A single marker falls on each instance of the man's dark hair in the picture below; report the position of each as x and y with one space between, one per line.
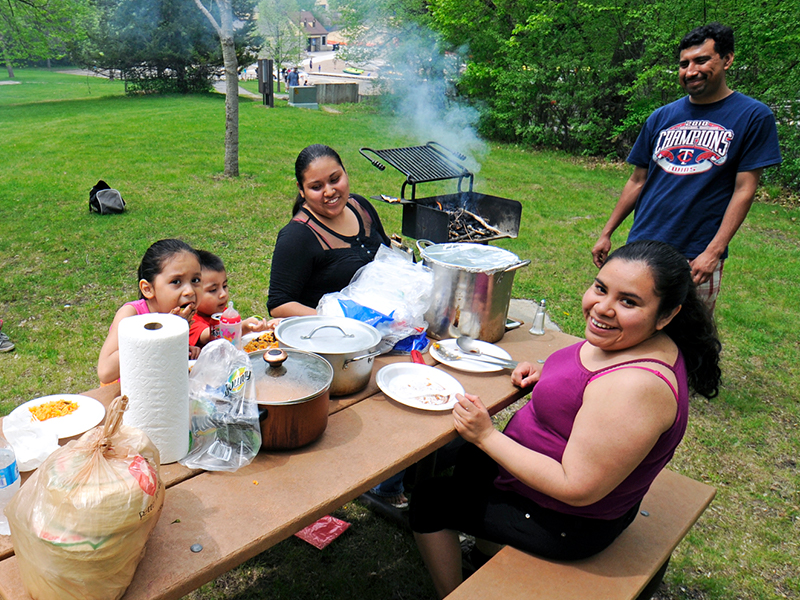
721 34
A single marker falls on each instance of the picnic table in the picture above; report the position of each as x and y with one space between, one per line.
235 516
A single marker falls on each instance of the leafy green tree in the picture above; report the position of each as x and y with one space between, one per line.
584 75
39 29
162 46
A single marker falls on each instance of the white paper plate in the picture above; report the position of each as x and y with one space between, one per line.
90 412
419 386
468 364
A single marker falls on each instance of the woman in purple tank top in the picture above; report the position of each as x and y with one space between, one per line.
567 475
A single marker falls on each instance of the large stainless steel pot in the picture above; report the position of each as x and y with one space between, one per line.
293 394
472 289
347 344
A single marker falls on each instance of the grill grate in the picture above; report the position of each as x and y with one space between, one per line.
421 164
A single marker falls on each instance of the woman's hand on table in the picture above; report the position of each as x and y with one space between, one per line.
525 375
472 420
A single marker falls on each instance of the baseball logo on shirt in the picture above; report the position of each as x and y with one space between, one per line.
692 147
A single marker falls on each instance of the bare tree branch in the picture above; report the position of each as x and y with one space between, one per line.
209 16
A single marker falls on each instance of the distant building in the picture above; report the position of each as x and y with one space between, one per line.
315 32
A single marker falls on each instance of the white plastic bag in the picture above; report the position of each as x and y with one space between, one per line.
391 293
31 440
226 434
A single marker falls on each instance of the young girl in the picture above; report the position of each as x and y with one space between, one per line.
169 282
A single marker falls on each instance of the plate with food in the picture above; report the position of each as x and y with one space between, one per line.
259 340
445 350
66 414
419 386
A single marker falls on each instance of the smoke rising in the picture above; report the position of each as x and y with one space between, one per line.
422 80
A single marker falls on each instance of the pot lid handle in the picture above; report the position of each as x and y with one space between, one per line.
423 244
275 357
309 335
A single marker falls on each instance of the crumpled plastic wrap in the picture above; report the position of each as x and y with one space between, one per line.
391 293
32 442
79 525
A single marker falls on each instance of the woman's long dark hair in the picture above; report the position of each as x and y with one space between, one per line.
156 255
692 329
307 156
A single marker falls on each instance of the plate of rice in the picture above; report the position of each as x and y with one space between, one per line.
66 414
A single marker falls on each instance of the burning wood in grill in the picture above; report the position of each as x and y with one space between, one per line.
466 225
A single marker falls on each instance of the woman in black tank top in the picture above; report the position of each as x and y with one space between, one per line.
332 234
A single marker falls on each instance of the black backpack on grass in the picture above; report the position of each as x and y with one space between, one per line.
105 200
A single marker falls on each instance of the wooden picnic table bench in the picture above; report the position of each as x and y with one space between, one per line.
235 516
632 567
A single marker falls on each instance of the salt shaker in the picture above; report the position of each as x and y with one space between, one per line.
538 320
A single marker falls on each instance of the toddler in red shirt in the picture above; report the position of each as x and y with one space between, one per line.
213 298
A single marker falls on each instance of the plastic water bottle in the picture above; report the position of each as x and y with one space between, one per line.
538 320
9 481
230 325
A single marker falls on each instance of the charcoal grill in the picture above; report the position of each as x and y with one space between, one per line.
465 216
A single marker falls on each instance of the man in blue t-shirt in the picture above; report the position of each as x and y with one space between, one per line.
697 163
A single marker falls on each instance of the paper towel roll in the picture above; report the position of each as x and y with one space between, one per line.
154 374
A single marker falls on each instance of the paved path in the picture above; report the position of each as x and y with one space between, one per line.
326 67
219 86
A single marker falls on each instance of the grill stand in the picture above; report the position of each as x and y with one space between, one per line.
465 216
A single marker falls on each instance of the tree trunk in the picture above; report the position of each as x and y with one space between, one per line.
231 107
224 30
231 89
6 59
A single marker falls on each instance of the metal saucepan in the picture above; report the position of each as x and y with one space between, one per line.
472 289
350 346
293 394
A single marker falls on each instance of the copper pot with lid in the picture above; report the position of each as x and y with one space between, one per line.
292 391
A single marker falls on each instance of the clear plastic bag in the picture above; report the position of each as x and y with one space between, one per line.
80 523
226 433
391 293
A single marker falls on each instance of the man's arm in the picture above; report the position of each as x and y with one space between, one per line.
744 191
625 205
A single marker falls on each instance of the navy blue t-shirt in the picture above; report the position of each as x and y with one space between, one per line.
693 153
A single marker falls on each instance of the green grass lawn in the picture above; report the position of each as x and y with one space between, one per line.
64 272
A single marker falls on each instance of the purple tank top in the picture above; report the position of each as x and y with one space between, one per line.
544 424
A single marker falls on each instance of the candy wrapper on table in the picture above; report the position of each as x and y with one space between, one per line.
392 294
79 525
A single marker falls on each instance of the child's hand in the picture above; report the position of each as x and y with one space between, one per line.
273 323
254 324
187 312
194 352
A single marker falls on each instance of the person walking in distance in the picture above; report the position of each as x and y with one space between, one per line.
697 163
